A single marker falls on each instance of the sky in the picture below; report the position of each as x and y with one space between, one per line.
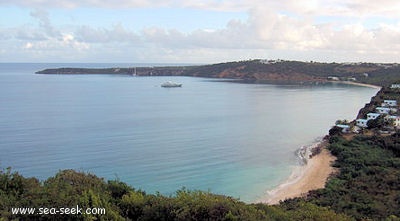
199 31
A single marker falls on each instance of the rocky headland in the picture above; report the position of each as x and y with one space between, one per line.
262 71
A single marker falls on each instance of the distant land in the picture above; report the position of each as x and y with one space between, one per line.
262 71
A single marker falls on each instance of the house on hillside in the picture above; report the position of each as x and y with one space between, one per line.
396 122
332 78
383 110
345 128
394 119
395 86
389 103
362 123
372 116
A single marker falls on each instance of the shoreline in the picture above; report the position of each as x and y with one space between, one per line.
311 175
358 84
304 178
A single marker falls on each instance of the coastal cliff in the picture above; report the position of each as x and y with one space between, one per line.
262 71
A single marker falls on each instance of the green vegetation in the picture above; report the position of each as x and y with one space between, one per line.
377 123
368 185
69 188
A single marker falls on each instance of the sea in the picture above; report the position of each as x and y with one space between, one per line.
212 135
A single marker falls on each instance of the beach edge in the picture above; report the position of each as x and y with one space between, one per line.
310 176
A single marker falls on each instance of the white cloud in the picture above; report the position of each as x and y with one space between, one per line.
117 33
28 33
28 45
123 4
307 29
385 8
43 17
68 40
355 8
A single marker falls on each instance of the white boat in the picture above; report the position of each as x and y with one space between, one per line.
171 84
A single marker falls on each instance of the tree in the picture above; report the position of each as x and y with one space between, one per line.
376 123
341 122
335 130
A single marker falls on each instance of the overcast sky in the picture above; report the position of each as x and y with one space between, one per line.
199 31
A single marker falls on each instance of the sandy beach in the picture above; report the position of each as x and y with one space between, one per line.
311 176
359 84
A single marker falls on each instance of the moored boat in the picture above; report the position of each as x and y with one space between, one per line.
171 84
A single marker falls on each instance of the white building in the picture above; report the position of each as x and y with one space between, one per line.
389 103
333 78
395 86
345 128
372 116
396 120
383 110
362 122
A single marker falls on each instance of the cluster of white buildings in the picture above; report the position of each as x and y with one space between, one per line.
266 61
388 109
394 86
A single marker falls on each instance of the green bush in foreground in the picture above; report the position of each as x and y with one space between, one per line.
69 188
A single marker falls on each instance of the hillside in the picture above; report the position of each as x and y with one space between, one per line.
262 71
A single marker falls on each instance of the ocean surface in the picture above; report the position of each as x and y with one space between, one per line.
227 138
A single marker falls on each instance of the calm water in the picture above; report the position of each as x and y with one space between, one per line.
229 138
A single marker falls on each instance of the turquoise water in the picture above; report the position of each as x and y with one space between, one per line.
229 138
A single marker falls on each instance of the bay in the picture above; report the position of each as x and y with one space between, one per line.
228 138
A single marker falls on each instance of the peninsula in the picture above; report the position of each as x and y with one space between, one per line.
262 71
